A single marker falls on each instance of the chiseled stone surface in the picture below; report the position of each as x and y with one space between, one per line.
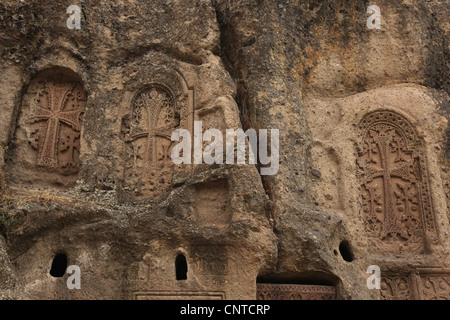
85 124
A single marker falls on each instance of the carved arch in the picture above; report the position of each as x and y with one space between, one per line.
162 105
47 141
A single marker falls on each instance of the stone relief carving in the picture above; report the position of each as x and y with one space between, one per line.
425 284
179 295
153 278
434 285
159 108
149 145
396 202
396 288
294 292
151 268
153 273
212 260
56 124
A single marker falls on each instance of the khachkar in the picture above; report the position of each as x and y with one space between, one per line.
164 105
396 201
56 124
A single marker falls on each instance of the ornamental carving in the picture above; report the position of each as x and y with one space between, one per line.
213 260
149 141
294 292
396 287
56 124
422 284
434 285
396 202
157 110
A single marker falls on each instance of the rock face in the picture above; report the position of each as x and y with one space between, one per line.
87 178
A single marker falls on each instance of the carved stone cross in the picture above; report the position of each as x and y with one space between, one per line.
392 223
158 108
153 120
396 202
163 132
52 111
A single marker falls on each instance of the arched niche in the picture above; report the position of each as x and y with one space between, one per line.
46 146
159 106
396 201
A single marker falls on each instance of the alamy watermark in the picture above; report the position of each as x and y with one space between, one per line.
74 280
213 153
74 21
374 21
374 280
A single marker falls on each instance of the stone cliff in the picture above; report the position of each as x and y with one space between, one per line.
86 120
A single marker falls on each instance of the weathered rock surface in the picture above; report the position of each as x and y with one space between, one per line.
92 180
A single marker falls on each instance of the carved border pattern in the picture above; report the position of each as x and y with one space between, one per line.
396 287
424 284
179 295
294 292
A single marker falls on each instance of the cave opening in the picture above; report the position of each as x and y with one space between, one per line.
59 265
181 267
